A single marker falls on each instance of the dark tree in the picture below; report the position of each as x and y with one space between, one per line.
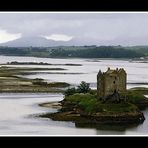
83 87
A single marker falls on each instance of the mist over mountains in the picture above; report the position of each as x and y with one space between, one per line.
75 29
36 41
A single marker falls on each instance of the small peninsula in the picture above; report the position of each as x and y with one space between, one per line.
11 80
39 63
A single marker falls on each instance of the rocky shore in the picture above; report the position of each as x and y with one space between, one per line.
78 116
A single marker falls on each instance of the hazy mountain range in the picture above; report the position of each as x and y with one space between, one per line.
42 42
32 41
78 29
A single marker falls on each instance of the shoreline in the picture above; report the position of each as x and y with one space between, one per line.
11 82
53 104
78 118
21 91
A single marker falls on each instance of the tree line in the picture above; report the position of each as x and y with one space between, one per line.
78 51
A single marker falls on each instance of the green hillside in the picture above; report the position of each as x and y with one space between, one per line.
77 51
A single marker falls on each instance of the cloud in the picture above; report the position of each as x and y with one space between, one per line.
86 28
5 36
58 37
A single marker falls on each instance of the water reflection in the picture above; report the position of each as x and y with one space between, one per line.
107 127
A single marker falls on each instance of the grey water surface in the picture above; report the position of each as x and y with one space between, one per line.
18 110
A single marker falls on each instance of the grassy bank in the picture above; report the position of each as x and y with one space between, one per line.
89 104
11 82
139 90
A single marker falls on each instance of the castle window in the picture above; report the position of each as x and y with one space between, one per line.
114 82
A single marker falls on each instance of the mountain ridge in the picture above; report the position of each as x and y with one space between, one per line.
36 42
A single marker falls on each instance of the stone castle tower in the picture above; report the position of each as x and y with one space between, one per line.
111 82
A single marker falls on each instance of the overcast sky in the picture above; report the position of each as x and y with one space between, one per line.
82 28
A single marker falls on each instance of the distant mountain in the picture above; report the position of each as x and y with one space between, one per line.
42 42
37 42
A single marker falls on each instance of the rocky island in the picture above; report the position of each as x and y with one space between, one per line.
114 104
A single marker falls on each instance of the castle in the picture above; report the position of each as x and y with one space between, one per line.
111 83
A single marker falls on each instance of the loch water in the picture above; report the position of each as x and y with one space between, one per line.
18 111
